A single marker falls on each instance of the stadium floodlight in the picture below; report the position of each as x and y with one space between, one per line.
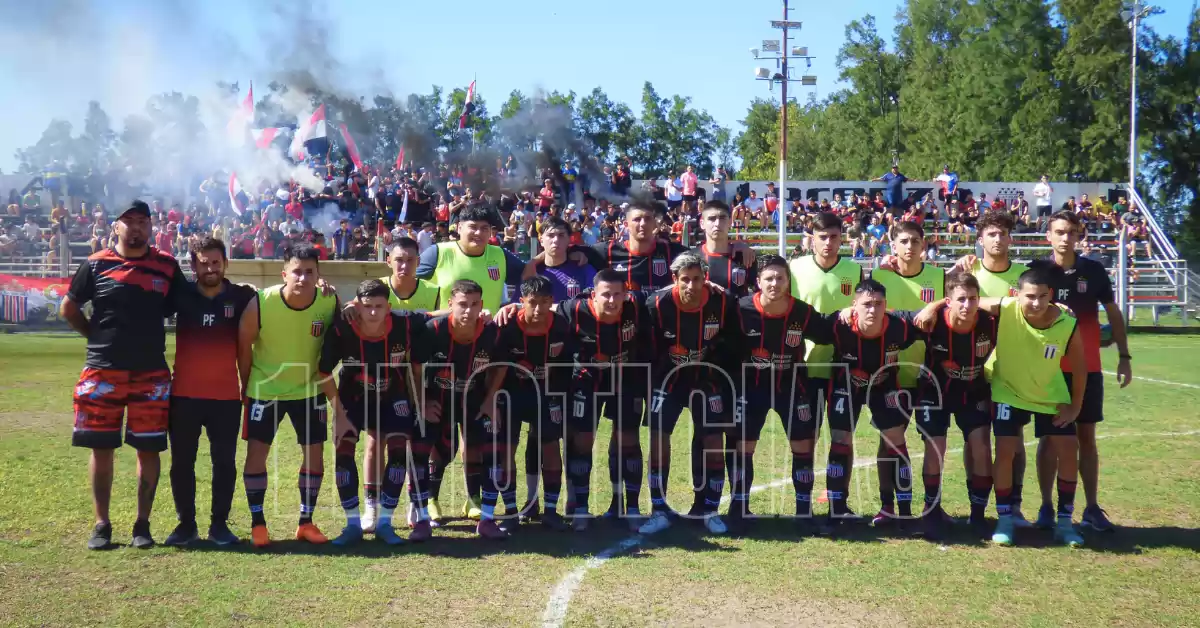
771 45
762 73
754 52
800 51
808 80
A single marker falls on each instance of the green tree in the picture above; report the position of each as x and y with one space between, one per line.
609 127
55 144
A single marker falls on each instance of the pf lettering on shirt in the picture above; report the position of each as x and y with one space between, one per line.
206 343
1083 288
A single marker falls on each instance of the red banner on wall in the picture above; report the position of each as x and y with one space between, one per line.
32 301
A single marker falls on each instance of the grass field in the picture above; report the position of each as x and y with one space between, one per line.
1148 573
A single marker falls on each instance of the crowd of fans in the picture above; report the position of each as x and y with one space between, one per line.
358 211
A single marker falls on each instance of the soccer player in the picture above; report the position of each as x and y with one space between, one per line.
419 296
131 287
687 320
461 348
958 345
1083 286
535 339
1028 385
611 334
826 281
279 345
910 287
567 278
205 391
773 326
378 352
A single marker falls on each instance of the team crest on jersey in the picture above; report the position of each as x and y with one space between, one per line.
494 273
628 331
480 362
892 356
927 295
738 276
659 266
555 349
793 338
1051 352
572 289
715 404
159 285
803 413
317 328
711 327
398 353
1081 285
982 347
1012 291
228 310
556 414
400 408
846 287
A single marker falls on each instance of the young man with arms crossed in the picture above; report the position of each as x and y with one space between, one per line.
826 281
688 320
381 354
911 286
206 394
279 346
131 287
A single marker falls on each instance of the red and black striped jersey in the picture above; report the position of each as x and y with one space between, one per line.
533 350
598 344
459 366
129 297
206 342
685 336
956 360
772 346
374 365
729 271
643 273
873 362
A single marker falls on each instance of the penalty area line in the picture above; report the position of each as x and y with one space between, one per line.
1157 381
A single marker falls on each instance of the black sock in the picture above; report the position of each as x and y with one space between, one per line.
1016 495
979 487
474 475
634 471
310 488
490 483
837 477
579 471
699 490
736 465
393 478
437 469
933 490
658 489
714 484
256 494
508 488
614 470
418 481
802 482
533 462
1066 498
1003 502
886 464
551 489
902 481
345 476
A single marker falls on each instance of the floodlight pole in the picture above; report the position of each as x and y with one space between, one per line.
1137 11
783 137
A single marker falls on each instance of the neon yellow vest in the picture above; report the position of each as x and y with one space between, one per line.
288 346
998 285
487 270
827 291
423 300
912 293
1026 367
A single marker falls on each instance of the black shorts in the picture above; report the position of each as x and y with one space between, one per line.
220 418
935 422
544 413
888 410
794 409
1093 398
673 204
689 198
711 409
1044 211
309 418
1008 421
588 402
385 417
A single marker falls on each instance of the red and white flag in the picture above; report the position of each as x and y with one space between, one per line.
400 158
264 137
351 147
237 196
468 107
241 119
313 128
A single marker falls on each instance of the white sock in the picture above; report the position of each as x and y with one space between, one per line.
531 486
385 517
352 518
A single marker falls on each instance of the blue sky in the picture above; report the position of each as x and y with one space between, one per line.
122 51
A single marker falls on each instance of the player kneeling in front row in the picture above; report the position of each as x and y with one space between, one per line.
1028 385
374 393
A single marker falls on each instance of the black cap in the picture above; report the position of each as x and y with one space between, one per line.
138 206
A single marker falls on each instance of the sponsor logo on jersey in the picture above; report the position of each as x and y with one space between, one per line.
1081 285
621 268
1051 352
659 266
400 408
572 289
444 380
631 285
753 332
738 276
318 327
494 273
628 331
715 404
555 349
927 295
846 287
668 334
793 338
982 347
228 310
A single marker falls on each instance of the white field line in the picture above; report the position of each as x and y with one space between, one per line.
1158 381
560 597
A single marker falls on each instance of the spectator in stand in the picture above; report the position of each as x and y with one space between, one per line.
754 207
894 186
621 181
545 196
1135 232
878 237
1043 196
770 204
674 190
14 210
983 204
1070 205
342 238
690 182
718 184
949 183
31 203
8 243
1120 207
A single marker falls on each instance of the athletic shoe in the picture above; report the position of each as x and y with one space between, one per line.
696 512
101 537
311 533
422 531
471 510
634 519
580 521
933 527
141 535
1096 519
1004 532
554 521
657 522
615 509
351 535
805 526
1064 532
368 517
885 517
1046 518
386 533
980 528
259 536
220 534
183 534
435 513
1019 520
531 511
509 524
849 518
715 525
488 529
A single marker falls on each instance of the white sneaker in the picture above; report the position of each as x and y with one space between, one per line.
715 525
1019 520
368 518
655 524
